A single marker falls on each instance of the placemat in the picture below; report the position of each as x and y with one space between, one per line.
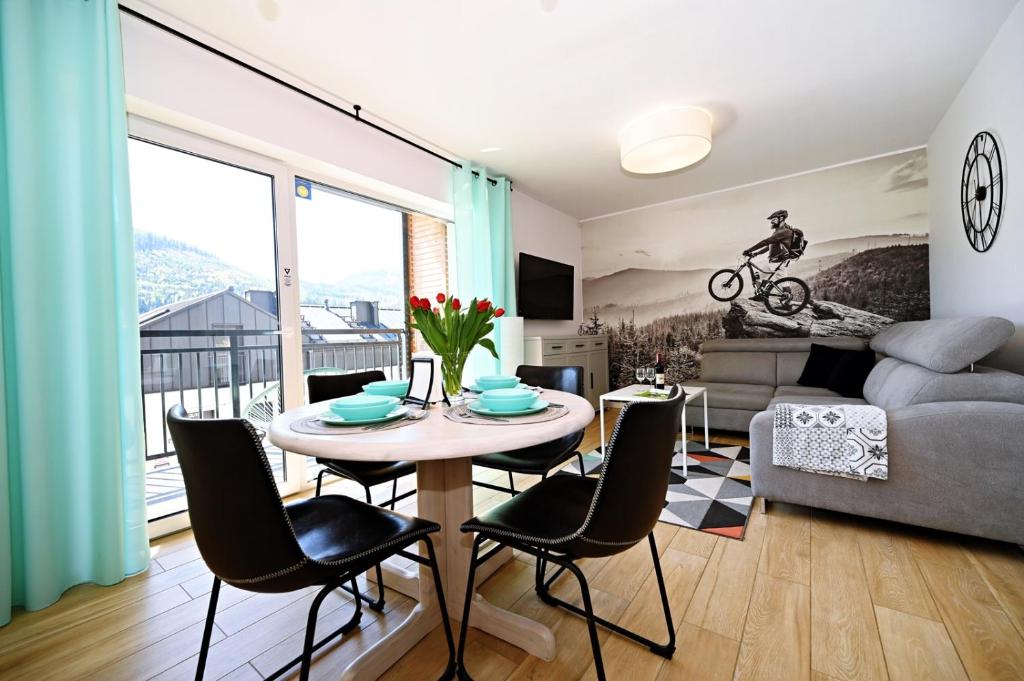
313 426
460 414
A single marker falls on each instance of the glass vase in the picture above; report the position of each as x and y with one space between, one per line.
452 366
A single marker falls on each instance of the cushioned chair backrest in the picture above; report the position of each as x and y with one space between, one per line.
634 480
566 379
333 386
239 522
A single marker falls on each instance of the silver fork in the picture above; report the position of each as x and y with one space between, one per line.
463 412
411 416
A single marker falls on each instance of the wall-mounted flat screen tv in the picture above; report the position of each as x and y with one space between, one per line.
545 288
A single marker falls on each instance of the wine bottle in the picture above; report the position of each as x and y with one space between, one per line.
659 372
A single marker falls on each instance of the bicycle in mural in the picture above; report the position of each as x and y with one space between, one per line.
784 296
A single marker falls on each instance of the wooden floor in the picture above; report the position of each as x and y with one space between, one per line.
807 595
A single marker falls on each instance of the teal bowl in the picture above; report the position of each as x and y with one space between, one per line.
507 399
496 382
396 388
364 406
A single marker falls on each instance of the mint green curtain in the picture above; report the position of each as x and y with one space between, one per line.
483 250
72 498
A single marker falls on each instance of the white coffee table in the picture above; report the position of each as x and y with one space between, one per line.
629 394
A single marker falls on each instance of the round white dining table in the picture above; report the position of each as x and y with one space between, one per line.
443 451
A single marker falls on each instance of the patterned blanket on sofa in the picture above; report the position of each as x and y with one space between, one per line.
848 441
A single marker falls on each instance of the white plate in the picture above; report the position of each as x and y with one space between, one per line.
335 420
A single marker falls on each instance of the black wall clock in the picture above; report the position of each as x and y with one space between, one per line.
981 191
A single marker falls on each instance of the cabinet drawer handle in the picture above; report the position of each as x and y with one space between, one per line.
556 347
581 345
591 380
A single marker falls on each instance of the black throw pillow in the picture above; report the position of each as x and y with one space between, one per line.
851 371
820 364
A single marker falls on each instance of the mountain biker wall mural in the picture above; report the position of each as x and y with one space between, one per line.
839 251
784 296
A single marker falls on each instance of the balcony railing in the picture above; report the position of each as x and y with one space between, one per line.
217 373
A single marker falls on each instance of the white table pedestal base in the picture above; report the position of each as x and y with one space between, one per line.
444 494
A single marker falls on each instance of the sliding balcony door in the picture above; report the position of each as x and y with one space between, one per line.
352 285
209 303
252 277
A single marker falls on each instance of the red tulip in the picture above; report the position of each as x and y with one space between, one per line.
482 306
440 298
500 311
414 302
456 305
424 304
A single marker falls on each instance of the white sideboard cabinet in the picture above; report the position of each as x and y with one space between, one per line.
589 352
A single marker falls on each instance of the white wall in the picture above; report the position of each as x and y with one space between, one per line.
963 281
179 84
539 229
165 71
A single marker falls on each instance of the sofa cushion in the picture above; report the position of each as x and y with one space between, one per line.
894 383
747 396
738 367
789 366
944 345
803 391
780 345
814 399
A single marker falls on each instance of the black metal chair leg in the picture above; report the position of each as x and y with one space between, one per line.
449 671
204 648
319 480
460 657
394 492
307 647
588 608
540 572
348 627
663 650
376 605
511 485
583 469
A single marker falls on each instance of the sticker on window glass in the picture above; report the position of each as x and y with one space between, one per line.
303 188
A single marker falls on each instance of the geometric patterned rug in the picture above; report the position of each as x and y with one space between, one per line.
715 498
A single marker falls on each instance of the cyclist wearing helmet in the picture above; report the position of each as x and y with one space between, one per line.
780 244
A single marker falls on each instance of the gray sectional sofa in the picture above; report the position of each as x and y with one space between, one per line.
744 375
956 430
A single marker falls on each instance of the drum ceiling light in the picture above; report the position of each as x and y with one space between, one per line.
665 140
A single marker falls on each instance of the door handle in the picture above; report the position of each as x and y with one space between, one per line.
591 380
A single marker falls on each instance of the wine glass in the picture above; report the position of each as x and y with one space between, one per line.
649 372
640 373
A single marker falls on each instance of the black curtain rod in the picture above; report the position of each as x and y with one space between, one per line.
294 88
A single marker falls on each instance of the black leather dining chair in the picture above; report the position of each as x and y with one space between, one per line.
367 473
250 540
539 459
567 517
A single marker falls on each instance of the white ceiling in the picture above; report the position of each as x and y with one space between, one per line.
792 84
